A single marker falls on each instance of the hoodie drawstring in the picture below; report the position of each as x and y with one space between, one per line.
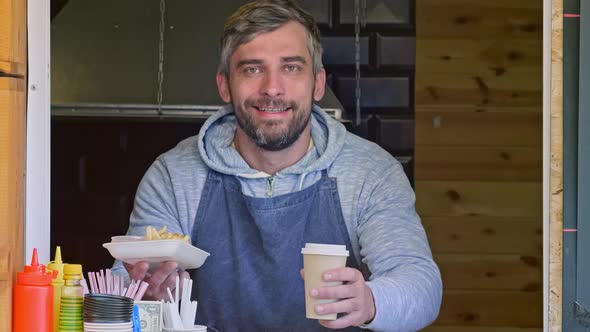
301 178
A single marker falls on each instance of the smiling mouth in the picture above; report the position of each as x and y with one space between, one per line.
272 110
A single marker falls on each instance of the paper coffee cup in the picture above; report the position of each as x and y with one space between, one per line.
317 259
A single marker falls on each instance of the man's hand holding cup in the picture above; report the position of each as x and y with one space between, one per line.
356 299
332 288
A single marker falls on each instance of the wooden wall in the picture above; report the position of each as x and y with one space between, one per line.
478 159
12 148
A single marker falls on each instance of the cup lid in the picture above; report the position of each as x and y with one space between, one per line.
324 249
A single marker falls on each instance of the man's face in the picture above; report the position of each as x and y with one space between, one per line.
272 86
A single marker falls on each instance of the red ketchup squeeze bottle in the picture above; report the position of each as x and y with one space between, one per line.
32 306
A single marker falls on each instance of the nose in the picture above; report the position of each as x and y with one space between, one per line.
272 85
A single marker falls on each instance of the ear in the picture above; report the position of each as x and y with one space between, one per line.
320 85
223 87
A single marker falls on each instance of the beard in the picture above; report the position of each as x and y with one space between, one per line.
273 135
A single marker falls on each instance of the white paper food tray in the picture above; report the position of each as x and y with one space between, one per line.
158 251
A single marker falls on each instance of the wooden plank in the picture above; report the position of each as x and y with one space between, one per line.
479 19
13 69
478 163
499 58
493 199
478 129
527 4
451 89
451 96
5 29
12 158
484 235
13 36
492 308
491 272
477 109
456 328
484 81
5 307
4 265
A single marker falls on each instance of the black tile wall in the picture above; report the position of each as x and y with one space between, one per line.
365 129
393 133
393 50
396 135
387 92
320 9
387 59
337 50
378 12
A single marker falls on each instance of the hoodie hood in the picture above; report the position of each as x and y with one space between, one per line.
217 134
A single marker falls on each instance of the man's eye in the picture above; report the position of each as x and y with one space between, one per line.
291 68
252 70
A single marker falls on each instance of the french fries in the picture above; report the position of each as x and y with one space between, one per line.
151 233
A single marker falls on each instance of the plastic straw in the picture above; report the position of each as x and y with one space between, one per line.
115 286
170 294
96 283
131 288
176 299
128 289
101 288
141 292
92 288
184 305
135 289
193 313
103 284
121 286
108 281
84 285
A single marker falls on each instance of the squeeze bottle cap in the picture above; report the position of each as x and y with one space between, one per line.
57 265
71 270
34 274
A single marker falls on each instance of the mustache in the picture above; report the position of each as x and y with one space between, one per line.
270 103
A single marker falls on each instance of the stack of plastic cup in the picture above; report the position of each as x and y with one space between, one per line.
107 312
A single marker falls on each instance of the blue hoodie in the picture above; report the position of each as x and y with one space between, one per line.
376 197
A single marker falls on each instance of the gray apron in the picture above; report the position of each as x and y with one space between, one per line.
251 281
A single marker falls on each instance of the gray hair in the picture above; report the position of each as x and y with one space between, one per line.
266 16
